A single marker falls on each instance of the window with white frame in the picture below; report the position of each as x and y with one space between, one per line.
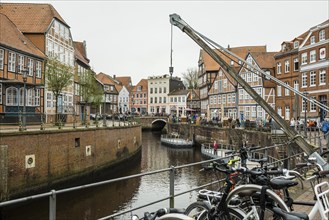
233 98
224 99
255 77
296 85
312 104
228 98
49 98
259 112
225 83
247 112
322 53
11 96
241 95
286 66
322 77
296 64
249 77
287 112
280 111
216 85
38 69
253 111
296 44
304 80
21 95
20 66
0 93
279 68
286 91
312 56
2 54
322 35
304 58
219 99
312 40
312 78
279 90
11 62
30 66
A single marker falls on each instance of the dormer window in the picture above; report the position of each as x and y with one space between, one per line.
139 88
296 44
312 40
283 47
106 87
322 35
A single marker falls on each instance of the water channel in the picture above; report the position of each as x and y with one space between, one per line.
105 200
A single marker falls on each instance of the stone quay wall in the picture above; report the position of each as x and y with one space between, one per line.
227 136
35 159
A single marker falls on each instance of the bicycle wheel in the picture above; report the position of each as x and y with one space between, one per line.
249 191
195 209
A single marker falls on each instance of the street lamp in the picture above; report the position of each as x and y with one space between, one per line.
24 101
305 109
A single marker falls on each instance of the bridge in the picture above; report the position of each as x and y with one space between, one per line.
156 123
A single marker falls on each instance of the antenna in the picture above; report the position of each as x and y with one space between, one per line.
171 68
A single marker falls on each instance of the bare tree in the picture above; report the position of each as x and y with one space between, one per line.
190 78
58 76
90 91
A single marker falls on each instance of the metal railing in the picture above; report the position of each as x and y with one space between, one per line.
171 197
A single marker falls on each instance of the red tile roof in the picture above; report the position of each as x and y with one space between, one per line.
211 65
80 52
11 37
31 17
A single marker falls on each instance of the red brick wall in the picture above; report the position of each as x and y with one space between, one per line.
57 158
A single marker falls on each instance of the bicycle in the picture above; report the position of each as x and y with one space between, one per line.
164 214
321 206
215 206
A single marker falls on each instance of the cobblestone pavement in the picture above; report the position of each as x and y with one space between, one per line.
305 195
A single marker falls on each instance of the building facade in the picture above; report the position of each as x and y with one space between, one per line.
158 89
21 76
314 69
139 97
53 37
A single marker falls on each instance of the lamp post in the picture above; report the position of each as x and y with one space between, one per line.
305 110
24 100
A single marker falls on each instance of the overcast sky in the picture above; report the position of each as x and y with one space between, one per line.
132 38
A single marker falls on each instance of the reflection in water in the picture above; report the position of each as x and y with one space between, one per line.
105 200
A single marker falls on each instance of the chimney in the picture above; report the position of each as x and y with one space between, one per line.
113 76
228 46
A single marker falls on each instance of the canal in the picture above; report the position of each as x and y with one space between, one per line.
105 200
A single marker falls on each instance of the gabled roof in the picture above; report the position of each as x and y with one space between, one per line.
80 52
143 83
179 92
265 60
125 80
105 79
31 17
11 37
211 65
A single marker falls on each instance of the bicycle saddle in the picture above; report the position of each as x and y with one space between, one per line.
290 215
278 183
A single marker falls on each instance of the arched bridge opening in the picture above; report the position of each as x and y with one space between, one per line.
158 124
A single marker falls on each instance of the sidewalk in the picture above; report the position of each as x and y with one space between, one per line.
306 195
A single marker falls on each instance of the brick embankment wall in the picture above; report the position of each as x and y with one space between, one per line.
36 159
227 136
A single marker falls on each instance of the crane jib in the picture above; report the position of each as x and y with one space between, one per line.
291 133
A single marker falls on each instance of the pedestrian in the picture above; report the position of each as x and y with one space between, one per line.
292 123
215 146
